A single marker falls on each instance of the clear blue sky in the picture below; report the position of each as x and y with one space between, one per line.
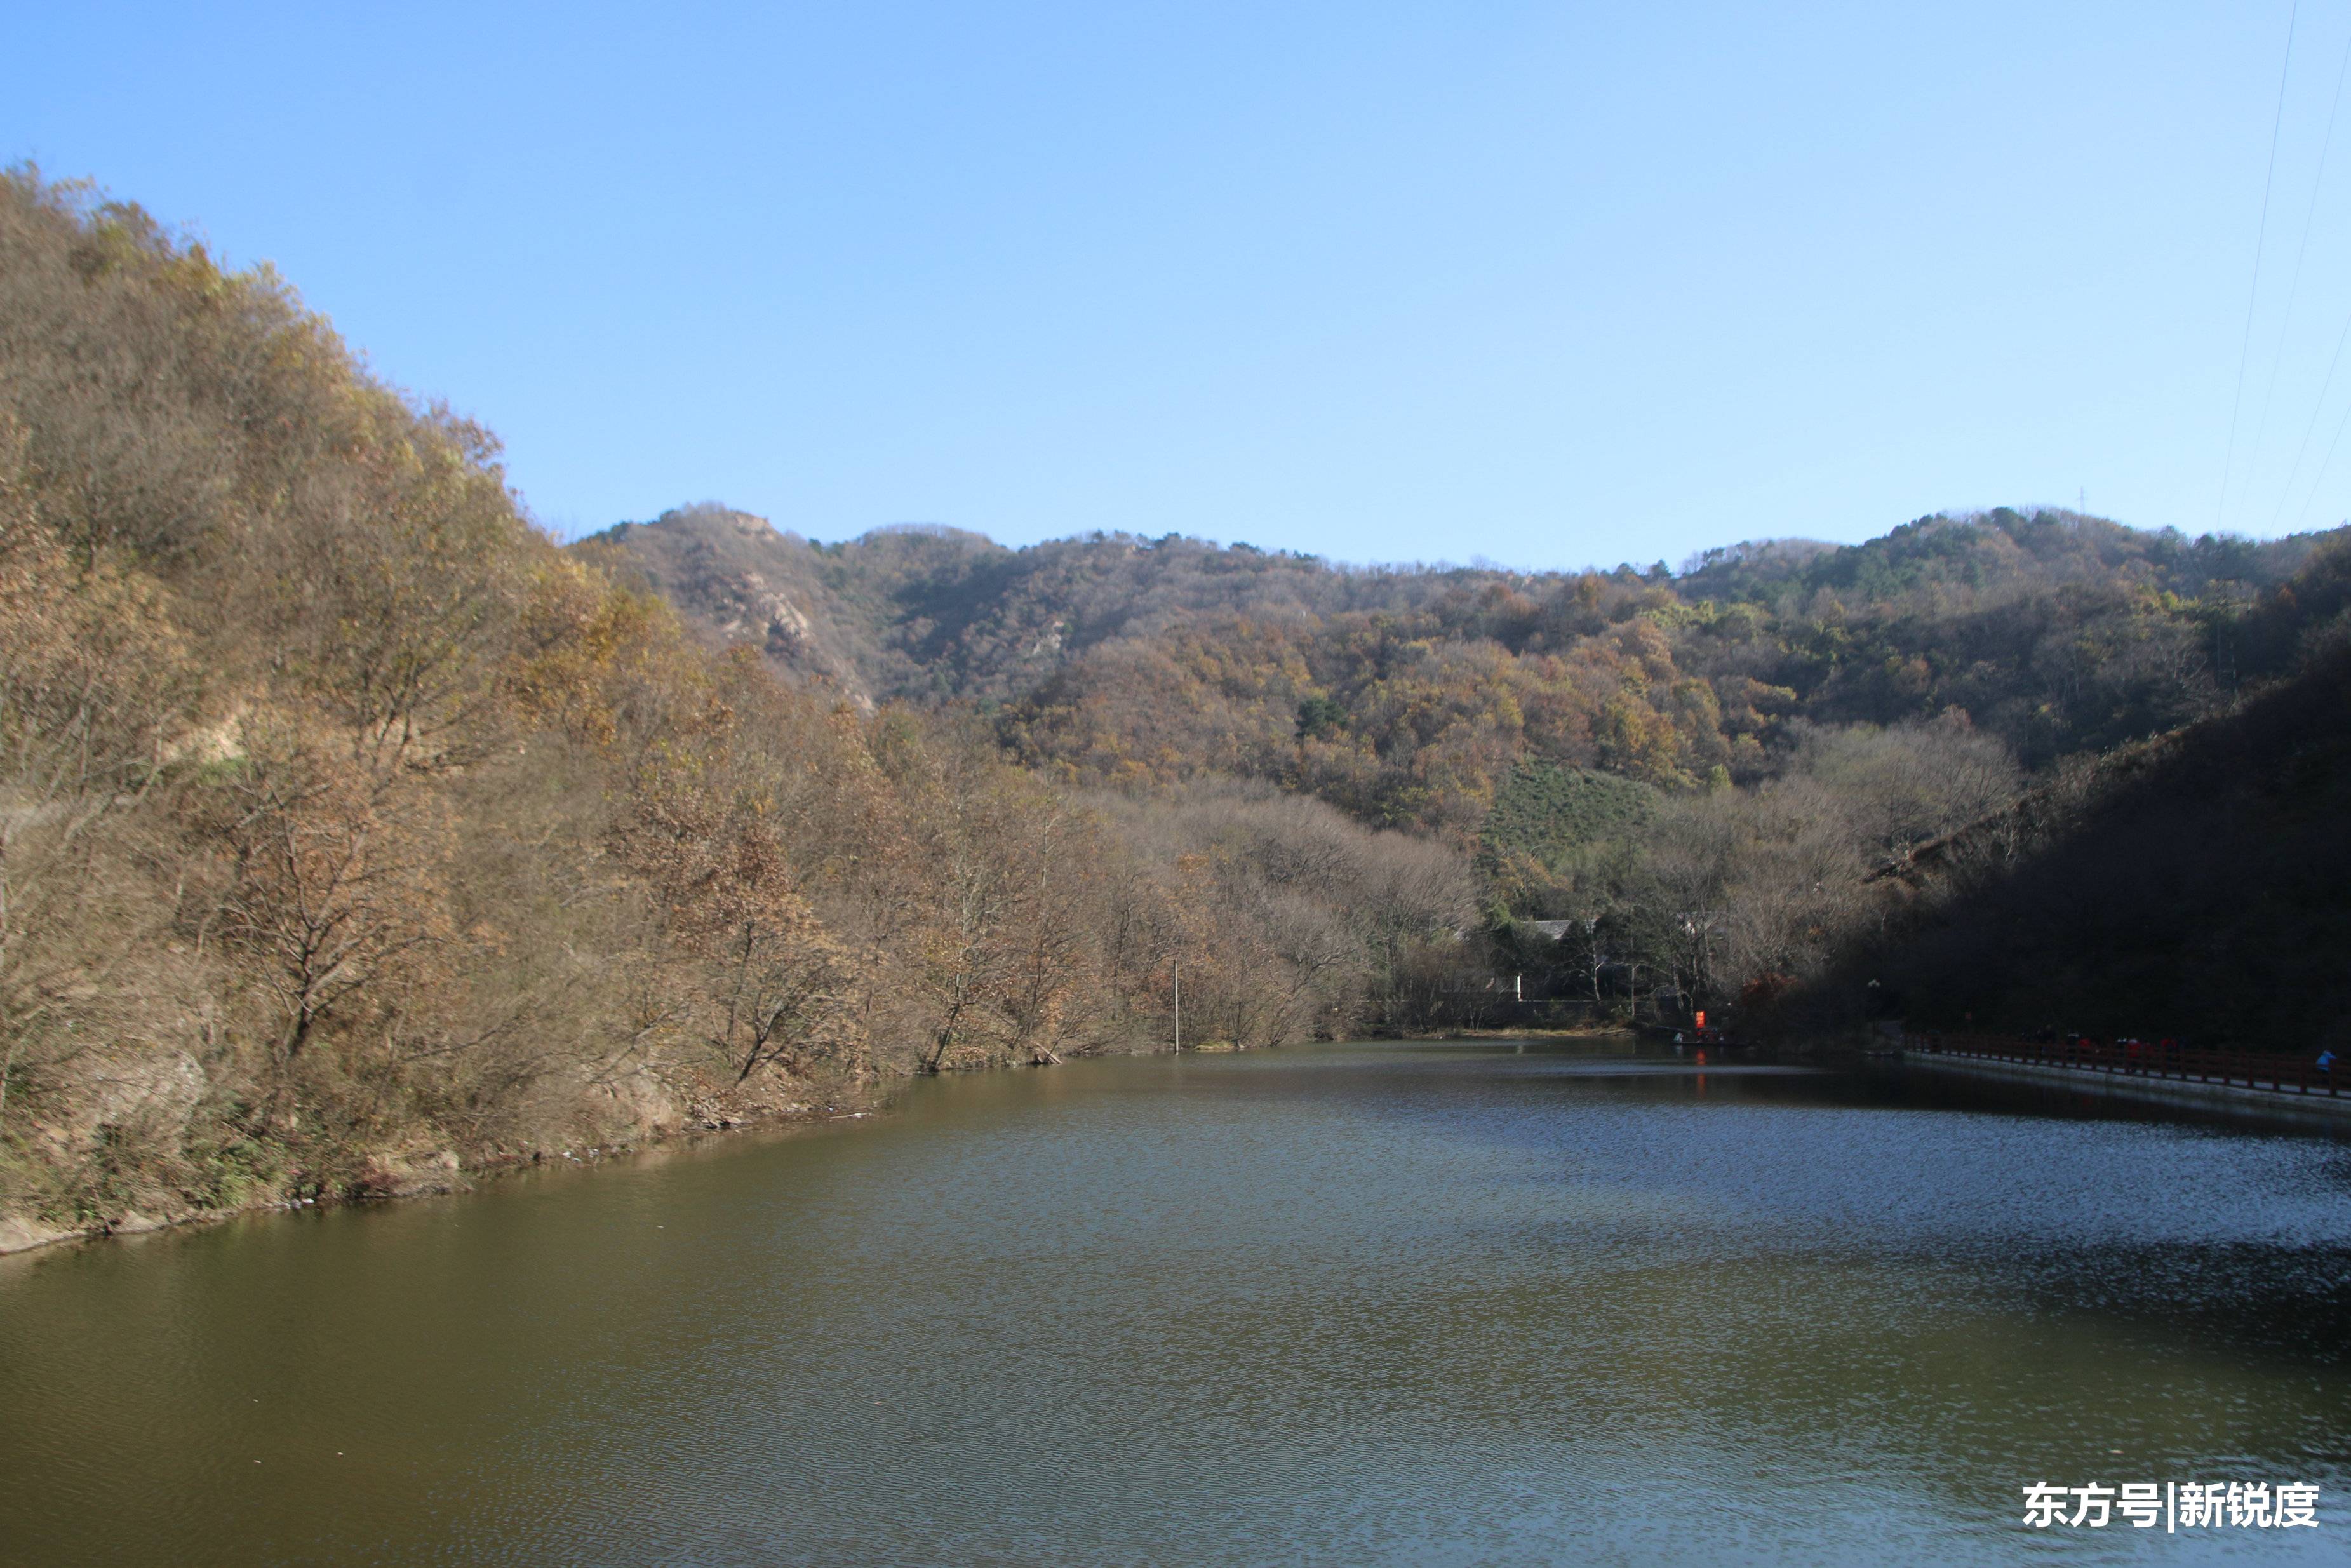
1548 284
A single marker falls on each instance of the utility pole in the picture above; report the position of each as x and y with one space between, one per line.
1179 1006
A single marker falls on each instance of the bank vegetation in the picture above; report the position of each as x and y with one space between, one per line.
353 832
349 829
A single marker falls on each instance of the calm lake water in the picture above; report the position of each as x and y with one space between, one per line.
1458 1304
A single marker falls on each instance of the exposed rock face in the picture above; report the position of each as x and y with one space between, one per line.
411 1175
920 612
121 1088
738 580
634 1106
18 1233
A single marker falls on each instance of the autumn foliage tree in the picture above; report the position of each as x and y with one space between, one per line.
345 821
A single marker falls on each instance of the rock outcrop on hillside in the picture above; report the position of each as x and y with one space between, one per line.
738 580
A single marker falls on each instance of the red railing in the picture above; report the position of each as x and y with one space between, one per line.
2283 1074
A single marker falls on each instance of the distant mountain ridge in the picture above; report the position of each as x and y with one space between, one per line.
1409 695
924 613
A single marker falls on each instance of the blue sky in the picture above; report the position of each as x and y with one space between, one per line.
1545 284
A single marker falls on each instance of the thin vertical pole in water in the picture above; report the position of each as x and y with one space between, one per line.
1178 1046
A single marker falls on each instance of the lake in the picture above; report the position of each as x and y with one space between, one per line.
1465 1303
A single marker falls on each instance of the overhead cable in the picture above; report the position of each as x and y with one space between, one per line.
2320 477
2293 290
2261 240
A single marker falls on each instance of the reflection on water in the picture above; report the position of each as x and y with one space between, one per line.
1459 1303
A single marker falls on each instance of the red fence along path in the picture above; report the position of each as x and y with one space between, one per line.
2284 1074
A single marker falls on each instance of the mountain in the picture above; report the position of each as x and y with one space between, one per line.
1409 696
739 580
2027 767
929 614
2197 886
352 836
2195 883
351 832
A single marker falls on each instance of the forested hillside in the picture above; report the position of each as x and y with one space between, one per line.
351 832
2188 883
1703 772
1408 697
2196 885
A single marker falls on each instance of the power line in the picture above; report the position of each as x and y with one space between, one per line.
2320 477
2317 408
2293 288
2261 240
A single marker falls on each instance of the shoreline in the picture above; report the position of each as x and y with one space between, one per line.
19 1235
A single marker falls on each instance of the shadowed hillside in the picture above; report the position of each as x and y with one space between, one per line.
2196 886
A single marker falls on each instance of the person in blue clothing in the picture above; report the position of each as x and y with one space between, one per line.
2326 1063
